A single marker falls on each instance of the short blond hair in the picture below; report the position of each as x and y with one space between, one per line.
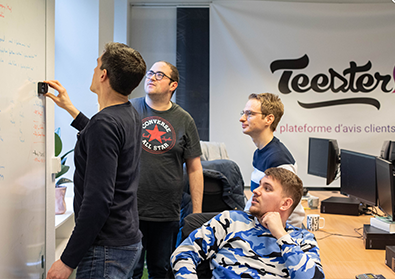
270 104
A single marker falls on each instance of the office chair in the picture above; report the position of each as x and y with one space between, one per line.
223 189
212 195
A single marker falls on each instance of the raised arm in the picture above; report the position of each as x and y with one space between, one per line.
301 256
62 99
299 250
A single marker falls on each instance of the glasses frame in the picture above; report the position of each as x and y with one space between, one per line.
160 77
249 113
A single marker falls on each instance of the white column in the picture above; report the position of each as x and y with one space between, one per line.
106 23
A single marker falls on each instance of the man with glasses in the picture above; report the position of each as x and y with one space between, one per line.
259 119
170 138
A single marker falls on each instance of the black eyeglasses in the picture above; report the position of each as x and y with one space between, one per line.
158 75
249 113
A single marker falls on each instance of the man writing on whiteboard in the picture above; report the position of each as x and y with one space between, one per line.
259 120
169 138
106 240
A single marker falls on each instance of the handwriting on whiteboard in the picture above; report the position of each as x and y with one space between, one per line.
16 53
1 173
39 156
4 9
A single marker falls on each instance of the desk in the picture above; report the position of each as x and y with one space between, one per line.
345 257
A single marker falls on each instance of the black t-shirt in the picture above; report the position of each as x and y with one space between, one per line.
169 137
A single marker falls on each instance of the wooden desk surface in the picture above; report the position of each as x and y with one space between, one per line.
341 256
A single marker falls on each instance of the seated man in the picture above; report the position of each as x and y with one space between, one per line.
263 244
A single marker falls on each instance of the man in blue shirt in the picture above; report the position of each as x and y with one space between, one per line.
259 120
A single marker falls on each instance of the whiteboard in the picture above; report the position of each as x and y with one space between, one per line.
22 139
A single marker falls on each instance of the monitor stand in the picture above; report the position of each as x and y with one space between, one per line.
341 205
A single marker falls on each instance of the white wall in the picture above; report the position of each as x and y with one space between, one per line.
82 28
76 51
332 36
200 2
150 28
147 25
121 12
106 23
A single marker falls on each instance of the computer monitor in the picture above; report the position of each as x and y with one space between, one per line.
385 187
388 151
323 158
358 176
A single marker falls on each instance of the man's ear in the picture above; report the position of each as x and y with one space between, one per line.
286 204
173 86
104 75
269 119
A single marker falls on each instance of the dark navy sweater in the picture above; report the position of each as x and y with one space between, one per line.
107 163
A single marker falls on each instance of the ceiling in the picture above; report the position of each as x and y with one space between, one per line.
205 2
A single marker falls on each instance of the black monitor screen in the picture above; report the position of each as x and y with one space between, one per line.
323 159
358 176
385 187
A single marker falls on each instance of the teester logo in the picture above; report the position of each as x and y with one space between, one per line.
355 79
158 135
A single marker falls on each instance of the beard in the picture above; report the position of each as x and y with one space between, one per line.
256 212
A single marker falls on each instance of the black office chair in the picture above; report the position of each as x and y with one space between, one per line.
212 195
223 186
223 189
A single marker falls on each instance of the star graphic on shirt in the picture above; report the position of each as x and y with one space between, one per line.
155 134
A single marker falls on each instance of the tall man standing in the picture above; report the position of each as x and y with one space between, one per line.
259 119
170 138
106 241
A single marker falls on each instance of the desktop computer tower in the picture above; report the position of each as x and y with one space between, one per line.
340 205
390 257
377 239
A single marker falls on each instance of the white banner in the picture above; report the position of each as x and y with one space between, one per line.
331 64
